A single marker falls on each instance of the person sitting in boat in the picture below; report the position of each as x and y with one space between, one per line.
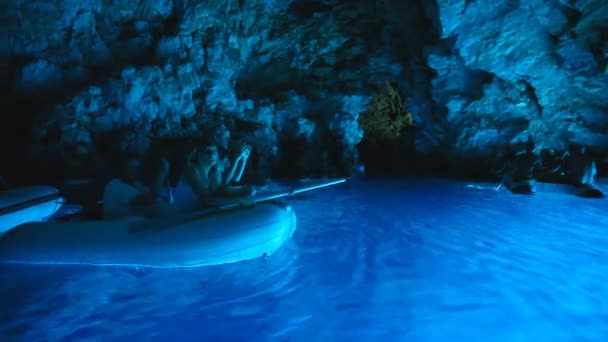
522 165
211 178
129 195
129 172
578 165
157 188
550 168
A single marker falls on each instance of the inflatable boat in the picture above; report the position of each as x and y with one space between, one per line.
586 191
221 235
27 204
189 240
528 188
531 187
523 187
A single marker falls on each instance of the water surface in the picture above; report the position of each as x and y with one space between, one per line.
370 260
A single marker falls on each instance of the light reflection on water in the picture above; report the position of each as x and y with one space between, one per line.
392 260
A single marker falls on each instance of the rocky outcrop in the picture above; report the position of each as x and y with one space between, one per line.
267 72
512 69
292 77
61 41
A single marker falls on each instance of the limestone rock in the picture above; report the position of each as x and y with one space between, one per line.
551 81
475 75
144 102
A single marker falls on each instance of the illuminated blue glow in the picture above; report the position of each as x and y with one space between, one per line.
370 261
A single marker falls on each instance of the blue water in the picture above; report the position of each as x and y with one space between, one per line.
373 260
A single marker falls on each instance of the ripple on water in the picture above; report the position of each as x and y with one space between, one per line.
369 261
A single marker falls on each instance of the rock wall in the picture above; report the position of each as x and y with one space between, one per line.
512 69
291 77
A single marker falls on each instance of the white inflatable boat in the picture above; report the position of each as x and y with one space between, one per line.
27 204
222 235
588 191
189 240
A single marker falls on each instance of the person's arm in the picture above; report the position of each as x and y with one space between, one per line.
243 158
239 175
230 175
592 172
562 163
191 178
170 197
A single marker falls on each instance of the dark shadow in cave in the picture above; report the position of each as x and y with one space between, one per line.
394 158
27 106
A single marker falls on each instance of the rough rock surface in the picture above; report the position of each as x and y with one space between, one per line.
510 69
292 76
